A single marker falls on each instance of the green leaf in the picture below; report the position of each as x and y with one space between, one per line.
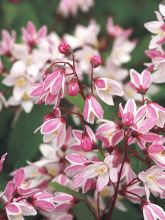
82 212
132 212
60 188
76 100
23 143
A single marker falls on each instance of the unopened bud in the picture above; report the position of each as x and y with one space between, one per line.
96 61
86 142
64 48
73 87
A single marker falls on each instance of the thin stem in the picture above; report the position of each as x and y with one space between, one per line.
92 80
71 112
79 83
98 207
109 216
133 194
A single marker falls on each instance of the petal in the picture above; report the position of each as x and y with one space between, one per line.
50 126
102 181
19 177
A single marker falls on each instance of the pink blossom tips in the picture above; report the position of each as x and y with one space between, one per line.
96 61
65 48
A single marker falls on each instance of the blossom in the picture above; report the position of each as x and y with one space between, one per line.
156 153
106 88
109 133
122 47
157 28
92 108
153 179
70 7
55 129
152 211
105 171
7 43
113 30
30 36
140 83
75 171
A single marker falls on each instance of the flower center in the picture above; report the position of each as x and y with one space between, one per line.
20 82
102 170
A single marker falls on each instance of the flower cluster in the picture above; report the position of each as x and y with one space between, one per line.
83 151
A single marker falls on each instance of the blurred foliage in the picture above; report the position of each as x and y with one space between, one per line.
17 135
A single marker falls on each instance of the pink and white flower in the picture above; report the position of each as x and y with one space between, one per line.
153 179
107 88
104 171
152 211
54 129
30 35
92 109
7 43
140 82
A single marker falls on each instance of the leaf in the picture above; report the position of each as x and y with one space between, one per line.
23 143
82 212
60 188
132 212
76 100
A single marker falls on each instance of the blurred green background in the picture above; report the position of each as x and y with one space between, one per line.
19 141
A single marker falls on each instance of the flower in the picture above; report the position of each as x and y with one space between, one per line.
153 179
54 129
152 211
105 171
30 36
106 88
7 43
140 83
92 108
156 152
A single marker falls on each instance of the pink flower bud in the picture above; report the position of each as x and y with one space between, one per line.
86 142
64 48
73 87
96 61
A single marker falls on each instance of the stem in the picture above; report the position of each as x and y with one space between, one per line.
133 194
79 83
98 207
109 216
92 80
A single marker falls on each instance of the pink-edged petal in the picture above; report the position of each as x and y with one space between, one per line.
97 109
73 170
13 209
76 159
102 181
19 177
50 126
147 125
44 205
135 77
146 79
27 210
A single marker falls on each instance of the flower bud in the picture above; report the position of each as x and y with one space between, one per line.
64 48
96 61
73 87
86 142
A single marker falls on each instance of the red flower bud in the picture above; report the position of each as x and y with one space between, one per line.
73 87
96 61
64 48
86 142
